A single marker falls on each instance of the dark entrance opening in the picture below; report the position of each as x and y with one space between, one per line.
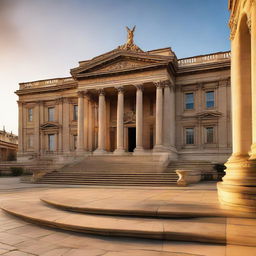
131 138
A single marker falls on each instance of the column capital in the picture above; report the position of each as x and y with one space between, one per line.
162 84
82 94
20 103
139 87
120 89
101 92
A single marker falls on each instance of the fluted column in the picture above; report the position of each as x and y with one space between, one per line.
252 24
159 117
101 124
169 118
120 122
139 119
238 188
80 125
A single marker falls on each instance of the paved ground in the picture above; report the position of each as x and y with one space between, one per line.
18 238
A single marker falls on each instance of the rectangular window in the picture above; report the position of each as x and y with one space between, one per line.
209 135
75 142
189 100
51 114
75 112
51 143
210 99
30 114
190 136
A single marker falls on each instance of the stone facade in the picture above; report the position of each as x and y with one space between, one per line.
8 146
128 100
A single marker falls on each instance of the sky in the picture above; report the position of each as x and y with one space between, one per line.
42 39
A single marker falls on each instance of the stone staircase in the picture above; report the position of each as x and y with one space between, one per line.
113 171
121 171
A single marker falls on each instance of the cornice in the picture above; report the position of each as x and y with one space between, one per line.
45 89
204 67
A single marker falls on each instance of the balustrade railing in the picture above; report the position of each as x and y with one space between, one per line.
46 83
204 58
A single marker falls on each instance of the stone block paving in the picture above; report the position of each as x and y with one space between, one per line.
18 238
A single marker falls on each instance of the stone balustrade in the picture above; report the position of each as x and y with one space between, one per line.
204 59
46 83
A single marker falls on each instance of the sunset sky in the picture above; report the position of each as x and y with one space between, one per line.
43 39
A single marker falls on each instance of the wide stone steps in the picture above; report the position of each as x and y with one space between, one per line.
110 178
138 213
195 229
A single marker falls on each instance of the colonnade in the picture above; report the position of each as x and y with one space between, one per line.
164 130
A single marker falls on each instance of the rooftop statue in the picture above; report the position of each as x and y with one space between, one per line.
129 45
130 35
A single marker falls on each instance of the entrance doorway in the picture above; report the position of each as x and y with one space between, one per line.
131 139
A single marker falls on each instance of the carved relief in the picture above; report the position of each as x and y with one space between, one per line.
121 65
129 117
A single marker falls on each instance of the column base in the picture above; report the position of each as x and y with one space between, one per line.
253 152
119 152
138 151
100 152
238 188
82 152
159 148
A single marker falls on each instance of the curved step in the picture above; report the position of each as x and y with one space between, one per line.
79 201
199 230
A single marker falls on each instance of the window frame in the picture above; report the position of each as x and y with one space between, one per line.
186 136
51 148
53 114
30 114
206 101
75 112
185 101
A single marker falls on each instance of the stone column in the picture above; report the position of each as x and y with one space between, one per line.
21 136
252 25
80 124
37 128
159 117
238 188
60 120
169 118
90 126
101 124
86 120
139 119
120 122
66 123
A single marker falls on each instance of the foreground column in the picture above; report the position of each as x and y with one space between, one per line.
139 119
238 188
120 122
253 75
159 117
101 124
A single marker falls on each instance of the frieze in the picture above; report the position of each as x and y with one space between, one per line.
122 65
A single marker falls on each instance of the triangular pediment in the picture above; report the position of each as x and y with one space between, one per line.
209 114
49 125
118 62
